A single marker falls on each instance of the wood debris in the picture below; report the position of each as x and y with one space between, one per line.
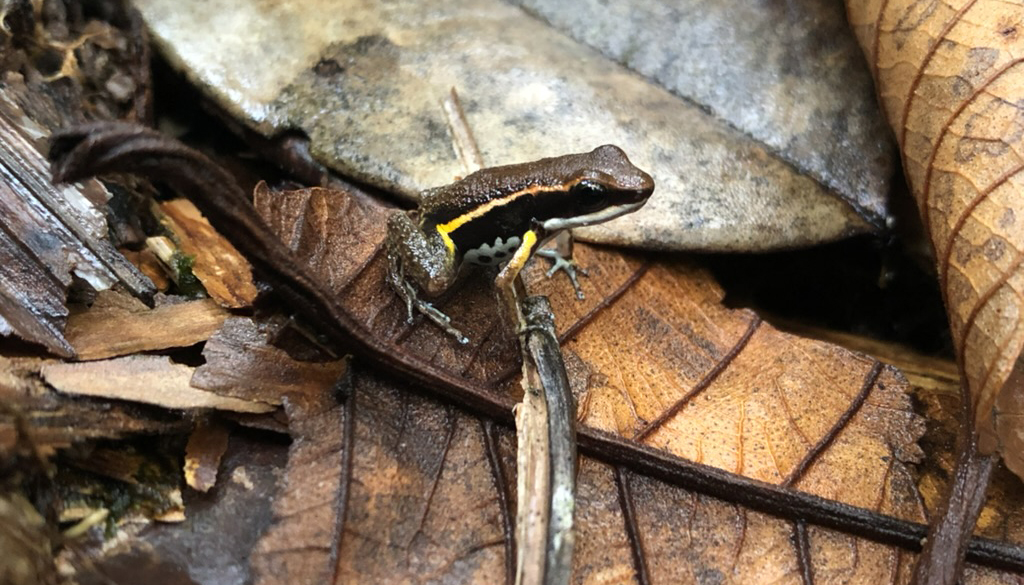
141 378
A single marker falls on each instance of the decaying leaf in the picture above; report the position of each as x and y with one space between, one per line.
363 81
141 378
120 325
302 543
664 364
225 274
241 362
951 80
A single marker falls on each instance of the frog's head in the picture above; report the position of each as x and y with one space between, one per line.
600 185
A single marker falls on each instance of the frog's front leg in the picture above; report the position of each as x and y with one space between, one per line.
561 259
505 281
420 262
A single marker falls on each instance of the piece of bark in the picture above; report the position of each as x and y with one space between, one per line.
147 379
206 445
546 453
49 237
42 420
225 274
115 327
240 362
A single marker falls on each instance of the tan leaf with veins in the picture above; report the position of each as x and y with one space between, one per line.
652 347
951 80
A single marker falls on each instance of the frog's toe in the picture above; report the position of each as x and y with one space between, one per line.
567 265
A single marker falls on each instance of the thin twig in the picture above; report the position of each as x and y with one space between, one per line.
545 421
462 137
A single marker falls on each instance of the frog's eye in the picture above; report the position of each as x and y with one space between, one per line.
589 195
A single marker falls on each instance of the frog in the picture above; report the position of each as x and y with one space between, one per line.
502 216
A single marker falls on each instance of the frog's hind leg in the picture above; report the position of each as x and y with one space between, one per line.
412 261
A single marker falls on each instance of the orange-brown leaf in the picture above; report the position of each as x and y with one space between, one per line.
951 80
654 356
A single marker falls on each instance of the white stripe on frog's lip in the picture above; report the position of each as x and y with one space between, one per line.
488 255
564 223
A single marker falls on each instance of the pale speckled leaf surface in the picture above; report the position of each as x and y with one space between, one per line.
788 74
364 81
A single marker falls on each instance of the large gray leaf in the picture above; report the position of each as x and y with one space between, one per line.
364 80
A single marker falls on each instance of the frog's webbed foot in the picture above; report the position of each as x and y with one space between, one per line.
440 319
568 265
413 303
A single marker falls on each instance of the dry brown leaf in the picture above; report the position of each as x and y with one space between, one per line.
764 404
119 325
936 389
240 362
225 274
951 80
141 378
301 544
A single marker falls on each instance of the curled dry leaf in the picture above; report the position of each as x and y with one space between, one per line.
363 80
653 356
951 80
